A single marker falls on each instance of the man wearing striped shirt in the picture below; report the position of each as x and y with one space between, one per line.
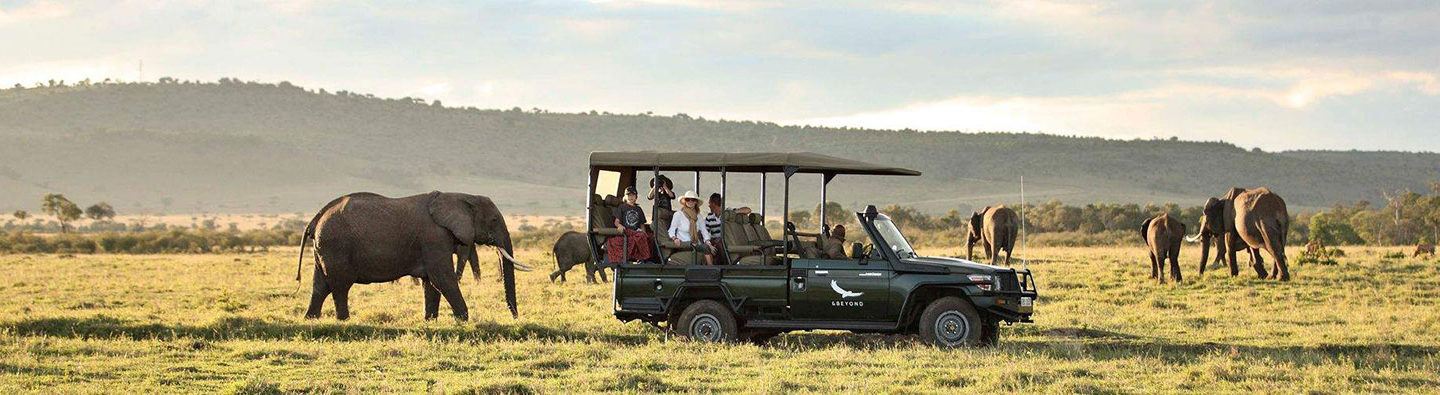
712 224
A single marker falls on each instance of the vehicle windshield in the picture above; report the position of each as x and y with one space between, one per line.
893 238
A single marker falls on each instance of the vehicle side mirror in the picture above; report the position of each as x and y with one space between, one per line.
857 250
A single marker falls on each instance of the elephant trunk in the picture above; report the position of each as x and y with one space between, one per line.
1204 248
507 271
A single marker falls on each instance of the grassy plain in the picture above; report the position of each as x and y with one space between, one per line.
232 323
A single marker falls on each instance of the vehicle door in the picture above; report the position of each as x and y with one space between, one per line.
855 289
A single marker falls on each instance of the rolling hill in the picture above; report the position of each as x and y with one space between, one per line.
239 146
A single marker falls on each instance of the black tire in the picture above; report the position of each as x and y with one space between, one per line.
708 321
951 322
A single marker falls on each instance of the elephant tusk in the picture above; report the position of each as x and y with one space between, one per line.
1192 239
518 266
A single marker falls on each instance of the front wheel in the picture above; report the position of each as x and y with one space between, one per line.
951 322
708 321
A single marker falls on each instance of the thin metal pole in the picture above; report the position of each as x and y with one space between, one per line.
762 193
1023 261
824 224
724 248
697 183
785 221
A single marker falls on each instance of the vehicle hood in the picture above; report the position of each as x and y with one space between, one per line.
954 264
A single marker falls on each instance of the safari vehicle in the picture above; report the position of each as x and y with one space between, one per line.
762 286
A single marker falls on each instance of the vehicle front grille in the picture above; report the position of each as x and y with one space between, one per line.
1008 281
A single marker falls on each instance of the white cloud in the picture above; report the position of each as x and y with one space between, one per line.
33 11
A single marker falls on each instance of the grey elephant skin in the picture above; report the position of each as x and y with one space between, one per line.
1252 220
573 248
365 238
1163 234
995 228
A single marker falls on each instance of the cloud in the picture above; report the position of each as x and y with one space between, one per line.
38 10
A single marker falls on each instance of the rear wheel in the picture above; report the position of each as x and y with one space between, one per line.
708 321
951 322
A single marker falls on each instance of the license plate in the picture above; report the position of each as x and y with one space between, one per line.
1026 301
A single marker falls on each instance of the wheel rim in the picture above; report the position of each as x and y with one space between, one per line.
951 328
706 327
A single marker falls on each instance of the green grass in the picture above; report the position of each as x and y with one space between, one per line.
232 323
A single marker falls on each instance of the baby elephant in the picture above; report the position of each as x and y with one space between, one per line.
1162 235
1423 248
573 248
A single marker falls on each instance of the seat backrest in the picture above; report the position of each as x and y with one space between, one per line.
757 224
747 230
604 211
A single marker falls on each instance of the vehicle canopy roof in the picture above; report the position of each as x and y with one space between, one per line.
741 162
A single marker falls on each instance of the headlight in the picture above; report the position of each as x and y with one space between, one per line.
984 281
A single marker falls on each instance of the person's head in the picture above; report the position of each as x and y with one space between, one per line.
690 200
631 195
717 202
662 181
838 232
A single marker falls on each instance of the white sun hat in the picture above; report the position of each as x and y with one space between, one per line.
690 195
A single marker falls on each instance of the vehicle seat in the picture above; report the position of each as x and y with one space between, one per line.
602 215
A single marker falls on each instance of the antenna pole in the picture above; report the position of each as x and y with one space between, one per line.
1023 262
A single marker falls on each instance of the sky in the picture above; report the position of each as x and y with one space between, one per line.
1275 74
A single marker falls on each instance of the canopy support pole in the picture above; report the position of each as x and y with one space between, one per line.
763 183
785 215
825 201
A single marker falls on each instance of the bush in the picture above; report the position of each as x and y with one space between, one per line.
148 242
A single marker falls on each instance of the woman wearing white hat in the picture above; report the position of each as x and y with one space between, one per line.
685 229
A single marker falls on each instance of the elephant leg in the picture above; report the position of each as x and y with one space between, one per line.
432 300
1278 250
589 273
319 290
1230 254
1175 263
1258 261
558 273
444 280
342 301
1153 267
599 270
1008 249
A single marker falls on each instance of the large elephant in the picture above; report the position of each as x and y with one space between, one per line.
995 228
573 248
1253 220
1162 236
364 238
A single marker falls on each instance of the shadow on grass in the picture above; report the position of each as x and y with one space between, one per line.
244 328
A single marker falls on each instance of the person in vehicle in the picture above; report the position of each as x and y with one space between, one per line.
635 244
835 244
686 228
662 191
714 226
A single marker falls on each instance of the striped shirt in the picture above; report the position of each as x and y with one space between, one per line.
712 223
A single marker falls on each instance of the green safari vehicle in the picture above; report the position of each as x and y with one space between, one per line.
760 286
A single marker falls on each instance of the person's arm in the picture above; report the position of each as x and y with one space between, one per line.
651 196
674 230
704 231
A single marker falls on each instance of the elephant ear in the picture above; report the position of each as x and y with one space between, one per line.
456 215
1145 229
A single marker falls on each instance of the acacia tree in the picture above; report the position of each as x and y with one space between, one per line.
21 215
100 212
61 208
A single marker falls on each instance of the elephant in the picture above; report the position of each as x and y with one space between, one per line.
365 238
1258 218
573 248
1162 235
995 228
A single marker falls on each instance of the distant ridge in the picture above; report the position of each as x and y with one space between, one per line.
239 146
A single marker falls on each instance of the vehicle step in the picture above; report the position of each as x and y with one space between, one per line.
837 325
